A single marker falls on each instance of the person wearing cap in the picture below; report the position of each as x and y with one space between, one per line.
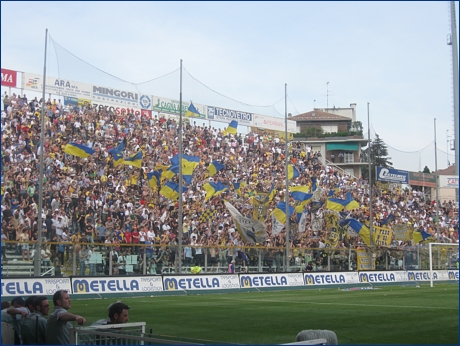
57 327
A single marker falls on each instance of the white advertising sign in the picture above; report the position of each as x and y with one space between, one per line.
170 106
270 280
272 123
56 86
128 284
312 279
200 282
227 115
33 286
449 181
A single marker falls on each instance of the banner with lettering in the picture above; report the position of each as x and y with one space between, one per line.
9 78
170 106
56 86
365 260
382 236
400 232
332 226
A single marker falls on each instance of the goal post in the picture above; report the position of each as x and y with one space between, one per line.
442 256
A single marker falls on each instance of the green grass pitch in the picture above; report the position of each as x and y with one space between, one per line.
385 315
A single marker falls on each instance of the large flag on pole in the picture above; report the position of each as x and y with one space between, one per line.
251 231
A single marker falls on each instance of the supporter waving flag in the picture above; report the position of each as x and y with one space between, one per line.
171 190
214 189
185 159
359 228
78 150
117 154
192 111
135 160
215 167
293 172
154 179
280 212
231 128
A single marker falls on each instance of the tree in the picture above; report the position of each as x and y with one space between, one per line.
379 157
426 170
313 131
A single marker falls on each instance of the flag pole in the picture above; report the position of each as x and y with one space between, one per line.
436 177
37 256
286 260
371 216
179 216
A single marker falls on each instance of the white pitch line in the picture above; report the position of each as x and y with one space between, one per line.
345 304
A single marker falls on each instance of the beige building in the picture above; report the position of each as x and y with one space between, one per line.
334 137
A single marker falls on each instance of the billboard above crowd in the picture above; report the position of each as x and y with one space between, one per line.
124 101
9 78
392 175
272 123
170 106
422 179
227 115
56 86
448 181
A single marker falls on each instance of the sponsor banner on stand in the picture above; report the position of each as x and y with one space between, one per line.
33 286
312 278
122 110
424 275
170 106
56 86
422 179
272 123
124 284
9 78
382 277
271 280
227 115
201 282
451 275
448 181
392 175
117 97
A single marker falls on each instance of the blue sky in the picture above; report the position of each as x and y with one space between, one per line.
391 54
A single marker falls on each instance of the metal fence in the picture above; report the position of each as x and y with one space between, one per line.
142 259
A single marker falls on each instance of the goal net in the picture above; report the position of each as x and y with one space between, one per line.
442 256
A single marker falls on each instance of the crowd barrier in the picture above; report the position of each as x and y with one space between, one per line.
213 282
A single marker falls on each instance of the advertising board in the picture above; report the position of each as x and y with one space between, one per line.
200 282
56 86
33 286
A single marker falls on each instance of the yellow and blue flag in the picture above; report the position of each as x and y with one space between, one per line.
213 189
300 210
215 167
238 185
192 111
154 179
171 190
300 193
170 172
231 128
117 154
185 159
272 192
420 236
135 160
388 219
359 228
293 172
161 168
78 150
333 191
340 204
280 212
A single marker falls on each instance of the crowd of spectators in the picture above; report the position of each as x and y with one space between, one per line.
90 200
